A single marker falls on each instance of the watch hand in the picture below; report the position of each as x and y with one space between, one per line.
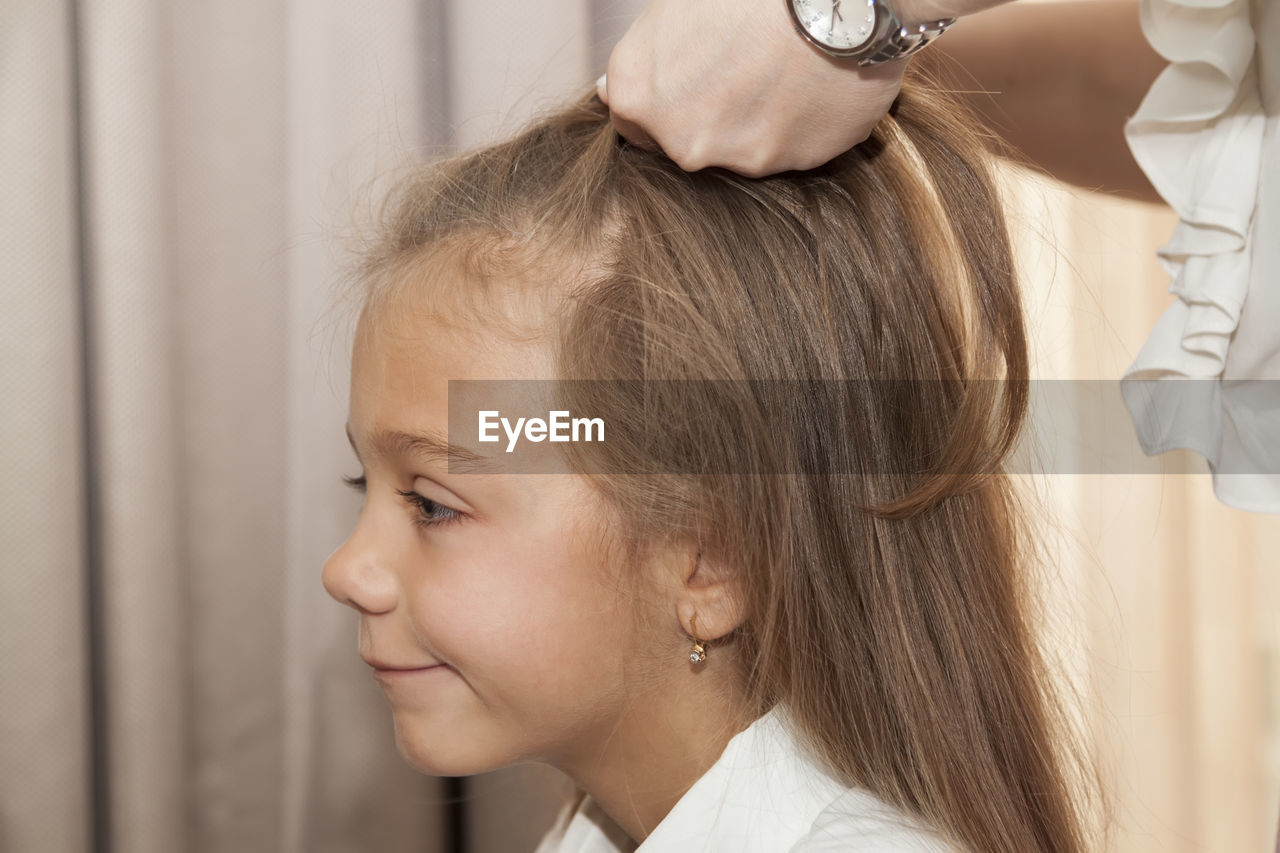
835 13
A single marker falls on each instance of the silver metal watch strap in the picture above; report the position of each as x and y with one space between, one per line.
904 41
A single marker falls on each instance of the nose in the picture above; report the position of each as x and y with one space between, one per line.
358 575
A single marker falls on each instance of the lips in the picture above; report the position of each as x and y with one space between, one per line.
383 666
389 677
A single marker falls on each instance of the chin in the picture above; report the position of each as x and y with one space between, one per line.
439 753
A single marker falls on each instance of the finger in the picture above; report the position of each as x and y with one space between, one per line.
602 88
633 133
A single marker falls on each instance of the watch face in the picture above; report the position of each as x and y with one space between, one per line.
838 24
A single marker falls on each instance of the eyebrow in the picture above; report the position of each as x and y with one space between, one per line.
429 447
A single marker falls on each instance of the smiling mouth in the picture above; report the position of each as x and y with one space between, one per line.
399 674
377 663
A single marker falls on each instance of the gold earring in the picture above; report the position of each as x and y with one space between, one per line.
699 651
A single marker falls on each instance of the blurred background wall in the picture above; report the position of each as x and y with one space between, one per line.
177 179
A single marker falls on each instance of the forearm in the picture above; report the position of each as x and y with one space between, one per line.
1056 81
919 11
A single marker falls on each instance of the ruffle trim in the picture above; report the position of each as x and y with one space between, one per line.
1198 135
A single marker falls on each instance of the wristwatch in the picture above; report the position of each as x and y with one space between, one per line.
866 30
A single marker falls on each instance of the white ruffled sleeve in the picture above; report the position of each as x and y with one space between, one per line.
1202 136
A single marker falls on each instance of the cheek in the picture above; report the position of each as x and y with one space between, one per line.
531 611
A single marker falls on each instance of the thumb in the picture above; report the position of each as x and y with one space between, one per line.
602 88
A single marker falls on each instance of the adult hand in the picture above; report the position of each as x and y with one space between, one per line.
731 83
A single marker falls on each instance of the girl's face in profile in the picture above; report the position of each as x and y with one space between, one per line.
500 578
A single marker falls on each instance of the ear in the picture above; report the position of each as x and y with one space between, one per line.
709 590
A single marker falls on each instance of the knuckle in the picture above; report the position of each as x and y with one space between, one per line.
749 155
758 162
803 162
690 157
629 95
627 101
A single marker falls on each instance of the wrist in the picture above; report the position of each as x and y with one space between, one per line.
871 33
912 12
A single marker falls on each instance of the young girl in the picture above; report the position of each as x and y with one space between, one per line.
787 613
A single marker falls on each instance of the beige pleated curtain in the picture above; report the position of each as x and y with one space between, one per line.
172 392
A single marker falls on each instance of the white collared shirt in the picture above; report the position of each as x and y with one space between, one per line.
764 794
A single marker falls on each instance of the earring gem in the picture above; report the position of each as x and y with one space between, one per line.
699 651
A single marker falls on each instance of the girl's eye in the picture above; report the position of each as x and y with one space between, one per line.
430 513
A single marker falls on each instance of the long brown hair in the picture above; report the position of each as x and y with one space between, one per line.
887 577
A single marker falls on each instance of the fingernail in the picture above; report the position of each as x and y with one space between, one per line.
600 82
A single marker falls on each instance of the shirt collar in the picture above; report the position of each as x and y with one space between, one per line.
762 795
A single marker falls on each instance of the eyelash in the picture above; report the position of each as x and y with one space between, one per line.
424 519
